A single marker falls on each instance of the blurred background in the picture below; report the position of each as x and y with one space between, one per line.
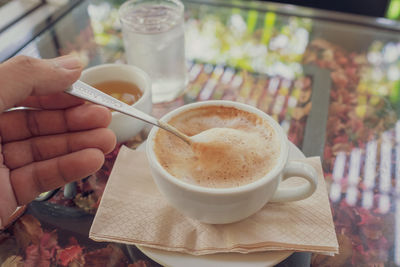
23 20
374 8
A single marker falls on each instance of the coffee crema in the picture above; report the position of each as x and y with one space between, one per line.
237 148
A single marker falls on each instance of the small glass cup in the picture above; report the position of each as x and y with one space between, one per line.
153 33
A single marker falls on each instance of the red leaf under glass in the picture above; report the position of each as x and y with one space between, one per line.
110 256
69 254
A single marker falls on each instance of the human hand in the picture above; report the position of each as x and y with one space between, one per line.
42 150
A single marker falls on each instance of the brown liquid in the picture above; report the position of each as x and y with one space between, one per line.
126 92
244 148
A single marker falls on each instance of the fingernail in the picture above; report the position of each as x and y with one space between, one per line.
70 62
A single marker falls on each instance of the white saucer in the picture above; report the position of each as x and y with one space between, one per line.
176 259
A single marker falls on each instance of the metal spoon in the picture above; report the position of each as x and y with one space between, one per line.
87 92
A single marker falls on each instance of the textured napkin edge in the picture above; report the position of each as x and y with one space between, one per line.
272 246
123 149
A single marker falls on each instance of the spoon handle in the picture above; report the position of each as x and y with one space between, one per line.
87 92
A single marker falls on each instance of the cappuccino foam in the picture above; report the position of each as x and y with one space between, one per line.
232 147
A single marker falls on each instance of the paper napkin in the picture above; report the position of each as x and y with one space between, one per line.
133 211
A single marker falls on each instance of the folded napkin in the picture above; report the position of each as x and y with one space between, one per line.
132 211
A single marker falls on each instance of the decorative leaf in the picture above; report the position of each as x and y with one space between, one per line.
109 256
49 243
8 247
35 258
70 254
27 230
41 255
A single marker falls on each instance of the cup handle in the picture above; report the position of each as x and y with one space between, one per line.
297 169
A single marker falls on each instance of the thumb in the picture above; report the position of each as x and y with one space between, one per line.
23 76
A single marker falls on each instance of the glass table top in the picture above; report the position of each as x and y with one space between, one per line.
331 80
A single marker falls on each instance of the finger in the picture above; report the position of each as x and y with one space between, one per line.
33 179
23 76
22 124
18 154
54 101
7 200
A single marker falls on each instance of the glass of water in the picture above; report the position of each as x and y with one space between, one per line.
153 33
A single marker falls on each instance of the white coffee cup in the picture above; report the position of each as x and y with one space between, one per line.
123 126
227 205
